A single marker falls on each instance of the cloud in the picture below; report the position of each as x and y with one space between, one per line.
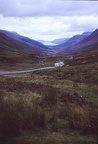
49 28
48 19
29 8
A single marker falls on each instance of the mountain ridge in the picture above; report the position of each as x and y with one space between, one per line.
16 36
89 44
14 51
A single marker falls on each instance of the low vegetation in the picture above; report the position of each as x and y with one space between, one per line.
54 106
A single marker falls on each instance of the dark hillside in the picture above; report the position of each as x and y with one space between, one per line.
13 51
87 45
24 39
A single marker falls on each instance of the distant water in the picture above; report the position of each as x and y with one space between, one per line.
49 43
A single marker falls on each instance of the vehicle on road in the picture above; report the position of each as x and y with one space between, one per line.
59 64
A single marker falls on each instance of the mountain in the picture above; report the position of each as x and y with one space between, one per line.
17 48
86 33
23 39
75 39
41 41
87 45
16 51
65 42
47 43
54 42
60 41
69 41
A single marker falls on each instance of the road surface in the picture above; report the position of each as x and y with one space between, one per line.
25 71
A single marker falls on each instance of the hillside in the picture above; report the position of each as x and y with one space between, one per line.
47 43
87 45
14 51
24 39
68 42
75 39
56 106
60 40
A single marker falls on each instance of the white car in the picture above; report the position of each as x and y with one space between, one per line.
59 64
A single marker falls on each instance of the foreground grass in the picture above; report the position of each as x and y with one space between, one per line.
46 137
35 105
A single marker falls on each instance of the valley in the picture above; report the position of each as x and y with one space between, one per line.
54 106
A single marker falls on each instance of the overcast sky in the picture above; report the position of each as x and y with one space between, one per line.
48 19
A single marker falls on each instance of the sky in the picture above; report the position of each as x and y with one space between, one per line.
48 19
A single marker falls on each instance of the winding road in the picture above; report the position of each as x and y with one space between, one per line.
25 71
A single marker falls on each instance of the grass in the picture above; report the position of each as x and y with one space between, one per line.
44 137
36 103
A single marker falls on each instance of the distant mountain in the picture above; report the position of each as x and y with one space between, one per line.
88 44
86 33
23 39
41 41
69 41
54 42
47 43
75 39
60 41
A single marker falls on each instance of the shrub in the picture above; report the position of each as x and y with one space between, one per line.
38 118
90 122
9 124
83 119
49 96
30 114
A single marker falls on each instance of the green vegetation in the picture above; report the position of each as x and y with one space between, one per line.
46 106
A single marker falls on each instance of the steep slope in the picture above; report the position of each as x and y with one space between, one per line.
75 39
88 44
70 41
13 51
24 39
